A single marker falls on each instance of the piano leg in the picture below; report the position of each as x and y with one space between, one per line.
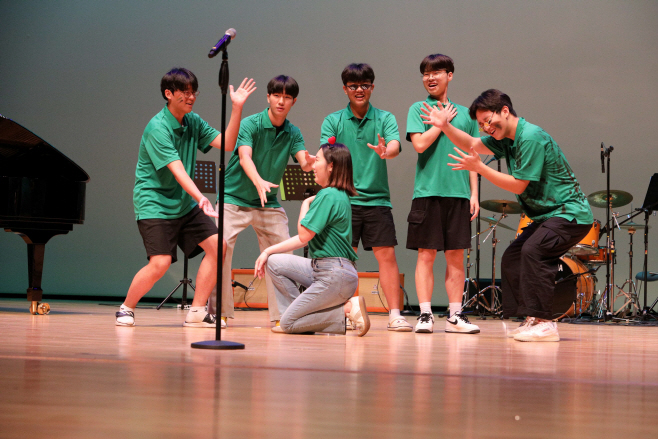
35 256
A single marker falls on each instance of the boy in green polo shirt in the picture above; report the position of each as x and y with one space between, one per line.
444 202
265 143
548 192
372 221
169 208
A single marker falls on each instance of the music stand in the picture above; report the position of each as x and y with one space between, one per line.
650 204
298 185
204 179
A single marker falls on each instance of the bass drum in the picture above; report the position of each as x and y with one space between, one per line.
577 289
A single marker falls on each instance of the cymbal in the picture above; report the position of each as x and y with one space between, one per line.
494 221
600 198
502 206
632 224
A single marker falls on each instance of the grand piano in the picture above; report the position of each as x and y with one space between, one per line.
42 194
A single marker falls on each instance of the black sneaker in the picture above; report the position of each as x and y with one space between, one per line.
425 323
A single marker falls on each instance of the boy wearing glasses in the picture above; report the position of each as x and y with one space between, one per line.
265 143
548 192
372 221
169 208
444 202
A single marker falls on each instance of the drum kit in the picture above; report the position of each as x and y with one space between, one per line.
575 282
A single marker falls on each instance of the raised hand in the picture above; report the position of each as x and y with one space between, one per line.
380 148
207 207
467 162
437 117
239 96
263 187
310 159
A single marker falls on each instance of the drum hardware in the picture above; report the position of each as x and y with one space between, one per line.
632 303
618 198
573 302
502 206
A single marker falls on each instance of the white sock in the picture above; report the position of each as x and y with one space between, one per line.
394 314
125 308
426 307
455 307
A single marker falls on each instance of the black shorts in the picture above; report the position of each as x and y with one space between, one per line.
374 226
439 223
161 236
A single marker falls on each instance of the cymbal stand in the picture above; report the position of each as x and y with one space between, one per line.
496 305
467 282
474 301
632 299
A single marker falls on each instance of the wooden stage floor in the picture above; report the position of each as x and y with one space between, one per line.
74 374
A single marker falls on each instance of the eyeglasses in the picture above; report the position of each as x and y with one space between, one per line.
189 94
435 74
355 87
485 126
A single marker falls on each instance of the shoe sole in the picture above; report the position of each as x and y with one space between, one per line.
475 331
556 338
364 314
124 324
403 329
199 325
424 331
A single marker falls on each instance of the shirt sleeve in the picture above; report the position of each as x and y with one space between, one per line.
206 135
529 161
319 213
494 146
328 129
246 135
414 122
390 128
160 148
296 143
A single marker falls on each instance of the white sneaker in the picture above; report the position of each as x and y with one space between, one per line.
524 326
425 323
459 323
544 331
348 324
125 318
209 321
399 324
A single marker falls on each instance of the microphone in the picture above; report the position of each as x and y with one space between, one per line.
222 43
602 161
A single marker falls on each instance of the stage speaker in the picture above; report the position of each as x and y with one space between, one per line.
250 293
373 294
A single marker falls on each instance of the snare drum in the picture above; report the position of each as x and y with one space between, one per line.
523 223
589 245
578 290
599 258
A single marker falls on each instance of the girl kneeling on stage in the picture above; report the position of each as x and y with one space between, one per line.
330 277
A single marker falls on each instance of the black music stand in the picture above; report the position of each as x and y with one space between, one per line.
650 204
298 185
204 179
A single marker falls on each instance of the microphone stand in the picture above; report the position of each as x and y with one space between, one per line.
610 237
218 343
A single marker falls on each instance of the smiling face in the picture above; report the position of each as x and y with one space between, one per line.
322 169
494 124
359 98
180 102
436 83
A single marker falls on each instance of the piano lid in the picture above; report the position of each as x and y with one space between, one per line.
24 154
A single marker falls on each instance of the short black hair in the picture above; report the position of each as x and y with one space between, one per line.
178 78
492 100
437 61
283 84
357 73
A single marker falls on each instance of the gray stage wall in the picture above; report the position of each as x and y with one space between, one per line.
84 75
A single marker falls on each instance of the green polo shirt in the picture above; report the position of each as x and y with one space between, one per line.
434 178
553 190
330 217
370 173
270 152
157 194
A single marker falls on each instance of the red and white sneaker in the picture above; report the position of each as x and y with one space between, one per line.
528 323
